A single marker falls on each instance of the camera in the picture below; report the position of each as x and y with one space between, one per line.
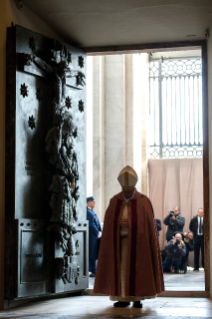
187 237
171 213
177 241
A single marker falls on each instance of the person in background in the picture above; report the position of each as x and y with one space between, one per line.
158 225
176 249
188 239
197 227
95 233
175 223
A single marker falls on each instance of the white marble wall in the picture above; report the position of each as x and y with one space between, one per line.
98 135
89 125
117 123
129 109
114 123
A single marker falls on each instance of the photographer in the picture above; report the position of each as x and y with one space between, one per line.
176 249
197 227
188 239
175 223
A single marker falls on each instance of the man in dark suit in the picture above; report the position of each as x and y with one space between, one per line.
175 223
197 227
95 233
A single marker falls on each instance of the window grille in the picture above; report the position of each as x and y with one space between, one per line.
176 108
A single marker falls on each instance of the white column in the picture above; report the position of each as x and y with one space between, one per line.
120 102
129 111
114 123
98 135
89 125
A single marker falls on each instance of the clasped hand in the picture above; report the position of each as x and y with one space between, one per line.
124 223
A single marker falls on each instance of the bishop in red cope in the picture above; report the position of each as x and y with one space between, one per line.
129 265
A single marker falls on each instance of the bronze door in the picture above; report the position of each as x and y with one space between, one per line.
46 233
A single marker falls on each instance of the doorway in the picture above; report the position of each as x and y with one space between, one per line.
175 159
201 46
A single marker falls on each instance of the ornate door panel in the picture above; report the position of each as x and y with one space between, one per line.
75 264
46 228
33 243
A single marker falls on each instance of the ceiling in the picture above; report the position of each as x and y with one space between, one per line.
91 23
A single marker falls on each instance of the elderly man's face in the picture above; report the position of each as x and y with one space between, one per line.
176 211
200 213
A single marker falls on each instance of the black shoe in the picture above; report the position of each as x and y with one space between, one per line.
92 275
121 304
176 271
137 304
196 269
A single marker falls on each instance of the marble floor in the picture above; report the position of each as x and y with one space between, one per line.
100 307
191 281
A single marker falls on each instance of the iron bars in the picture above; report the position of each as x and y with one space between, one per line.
176 108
